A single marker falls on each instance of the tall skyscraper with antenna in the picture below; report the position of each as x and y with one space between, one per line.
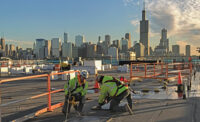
144 32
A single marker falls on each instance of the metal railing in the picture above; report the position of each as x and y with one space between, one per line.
48 93
159 70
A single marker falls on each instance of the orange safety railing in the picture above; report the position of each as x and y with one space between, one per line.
159 70
48 93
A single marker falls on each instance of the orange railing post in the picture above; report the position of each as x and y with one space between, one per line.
154 70
49 92
131 72
145 73
0 106
190 68
166 75
179 66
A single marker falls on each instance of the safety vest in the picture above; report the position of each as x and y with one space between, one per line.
110 87
74 87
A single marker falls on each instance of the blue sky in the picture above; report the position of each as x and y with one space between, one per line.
23 21
26 20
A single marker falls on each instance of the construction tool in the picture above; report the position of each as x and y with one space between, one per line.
71 100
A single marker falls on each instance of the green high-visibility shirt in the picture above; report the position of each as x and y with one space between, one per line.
74 87
110 89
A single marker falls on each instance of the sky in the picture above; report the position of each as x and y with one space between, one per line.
23 21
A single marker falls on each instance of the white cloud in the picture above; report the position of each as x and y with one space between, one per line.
131 2
180 17
135 22
127 2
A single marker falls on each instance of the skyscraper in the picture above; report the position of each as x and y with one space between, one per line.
176 50
139 50
107 39
144 32
124 45
39 48
164 41
65 37
12 50
91 50
187 50
113 51
2 42
128 37
67 50
99 39
116 43
74 51
163 48
47 49
7 50
79 40
55 47
3 46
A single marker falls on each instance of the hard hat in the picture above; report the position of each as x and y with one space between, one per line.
84 74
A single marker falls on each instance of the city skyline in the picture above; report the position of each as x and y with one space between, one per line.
106 18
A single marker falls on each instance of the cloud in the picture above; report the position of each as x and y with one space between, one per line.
180 17
127 2
23 44
131 2
135 22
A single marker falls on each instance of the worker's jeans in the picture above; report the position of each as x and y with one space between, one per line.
79 107
114 104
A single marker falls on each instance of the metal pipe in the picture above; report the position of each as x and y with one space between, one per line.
166 75
130 72
33 97
23 78
49 92
145 73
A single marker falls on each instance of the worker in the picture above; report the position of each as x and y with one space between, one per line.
76 88
116 91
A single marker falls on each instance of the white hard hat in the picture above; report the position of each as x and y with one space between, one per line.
84 74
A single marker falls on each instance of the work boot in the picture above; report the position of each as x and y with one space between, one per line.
128 109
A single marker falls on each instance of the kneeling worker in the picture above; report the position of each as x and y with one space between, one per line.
75 88
116 90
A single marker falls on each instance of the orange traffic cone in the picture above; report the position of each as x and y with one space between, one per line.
96 85
179 78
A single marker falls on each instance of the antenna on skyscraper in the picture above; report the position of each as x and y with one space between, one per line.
144 5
